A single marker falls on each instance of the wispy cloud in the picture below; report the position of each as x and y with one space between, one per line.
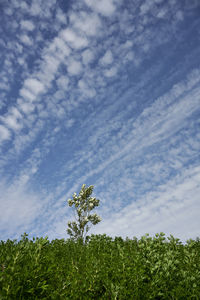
20 208
173 203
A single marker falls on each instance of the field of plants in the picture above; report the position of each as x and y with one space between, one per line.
101 268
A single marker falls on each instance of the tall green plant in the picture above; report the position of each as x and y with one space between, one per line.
83 205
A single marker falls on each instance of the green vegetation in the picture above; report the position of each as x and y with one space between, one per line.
97 266
101 268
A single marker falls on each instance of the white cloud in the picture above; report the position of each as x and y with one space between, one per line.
60 16
145 7
69 123
4 133
82 84
49 67
25 107
3 85
63 82
162 13
107 59
74 40
15 112
173 209
8 11
12 122
59 48
179 15
20 206
23 5
27 95
74 67
26 40
130 56
87 23
104 7
87 56
21 61
28 25
34 85
128 44
51 64
35 9
85 89
110 72
166 116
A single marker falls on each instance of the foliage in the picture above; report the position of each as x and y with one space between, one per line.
102 268
83 205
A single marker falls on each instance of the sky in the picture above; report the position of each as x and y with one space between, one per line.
103 93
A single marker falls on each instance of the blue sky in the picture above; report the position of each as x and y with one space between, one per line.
106 93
